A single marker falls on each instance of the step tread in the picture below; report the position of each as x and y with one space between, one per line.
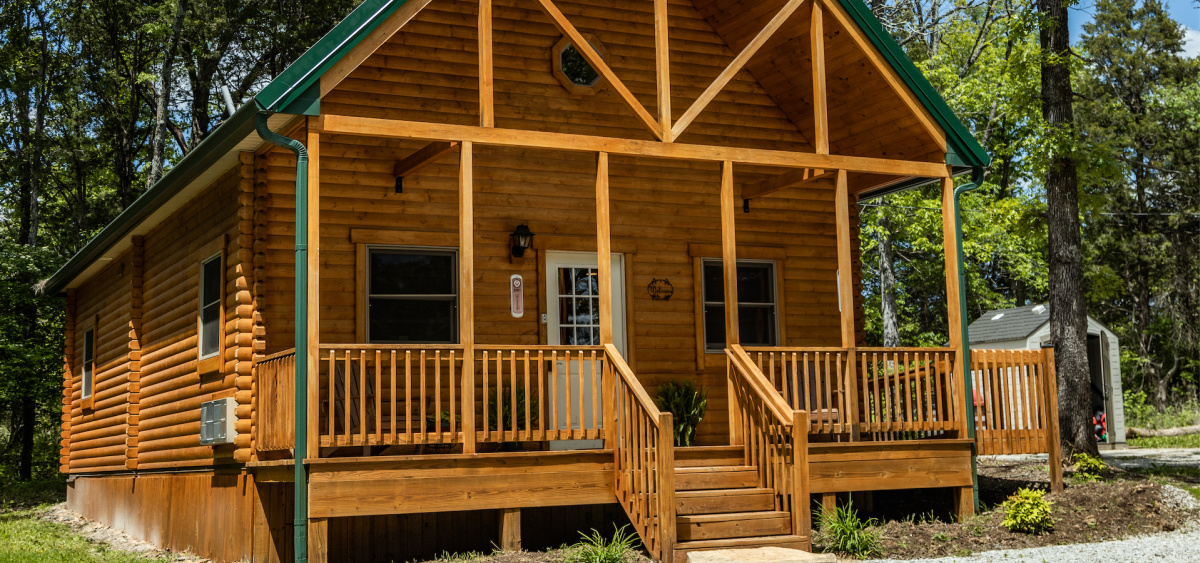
706 493
738 542
724 449
731 516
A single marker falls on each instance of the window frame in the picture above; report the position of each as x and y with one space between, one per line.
367 296
773 274
570 85
212 363
87 381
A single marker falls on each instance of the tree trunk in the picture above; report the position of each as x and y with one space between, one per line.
887 283
1068 315
163 100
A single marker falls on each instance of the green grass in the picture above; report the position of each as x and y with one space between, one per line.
1189 441
26 538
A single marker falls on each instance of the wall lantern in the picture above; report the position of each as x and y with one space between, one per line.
521 239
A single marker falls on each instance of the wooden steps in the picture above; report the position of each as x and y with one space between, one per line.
719 504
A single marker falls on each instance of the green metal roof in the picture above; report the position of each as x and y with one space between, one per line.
961 147
297 91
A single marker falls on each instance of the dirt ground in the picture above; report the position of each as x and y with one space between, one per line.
1123 504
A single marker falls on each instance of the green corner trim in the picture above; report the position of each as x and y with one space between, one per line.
303 77
961 147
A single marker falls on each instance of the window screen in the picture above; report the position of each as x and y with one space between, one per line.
89 362
756 304
412 296
210 307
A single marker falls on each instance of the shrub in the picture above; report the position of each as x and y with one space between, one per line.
686 404
1028 511
843 532
1089 467
593 548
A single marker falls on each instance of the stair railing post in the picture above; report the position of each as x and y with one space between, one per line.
736 437
801 515
666 487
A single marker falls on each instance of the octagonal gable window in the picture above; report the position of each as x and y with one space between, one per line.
573 70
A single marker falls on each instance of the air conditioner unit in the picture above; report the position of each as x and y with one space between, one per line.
217 420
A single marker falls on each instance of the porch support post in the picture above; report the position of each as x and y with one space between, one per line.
604 249
729 265
313 358
604 273
956 297
466 290
845 280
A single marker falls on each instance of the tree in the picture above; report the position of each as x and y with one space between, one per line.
1144 250
1068 313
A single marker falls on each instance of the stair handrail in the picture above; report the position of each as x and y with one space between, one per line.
777 447
643 444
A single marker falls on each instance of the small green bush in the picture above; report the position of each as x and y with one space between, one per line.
506 410
594 548
843 532
1028 511
687 404
1089 467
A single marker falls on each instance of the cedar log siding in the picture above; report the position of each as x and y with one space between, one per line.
171 387
98 435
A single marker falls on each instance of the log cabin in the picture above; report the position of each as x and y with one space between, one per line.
420 292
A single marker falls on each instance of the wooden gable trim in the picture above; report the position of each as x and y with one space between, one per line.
888 73
370 44
735 66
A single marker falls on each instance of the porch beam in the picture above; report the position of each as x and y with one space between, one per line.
734 66
662 65
598 63
398 129
466 290
487 112
820 107
422 158
604 249
803 177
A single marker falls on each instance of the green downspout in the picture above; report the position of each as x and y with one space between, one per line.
976 180
300 528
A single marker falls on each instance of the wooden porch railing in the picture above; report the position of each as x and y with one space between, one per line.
537 393
1015 394
774 436
275 428
889 393
643 446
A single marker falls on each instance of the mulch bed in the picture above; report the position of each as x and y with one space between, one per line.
1083 513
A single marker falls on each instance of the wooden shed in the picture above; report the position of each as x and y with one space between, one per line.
446 259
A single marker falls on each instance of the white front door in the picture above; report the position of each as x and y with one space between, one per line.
573 319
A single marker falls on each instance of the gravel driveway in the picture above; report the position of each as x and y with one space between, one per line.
1182 546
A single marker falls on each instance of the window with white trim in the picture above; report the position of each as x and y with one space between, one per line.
210 307
89 362
412 295
758 309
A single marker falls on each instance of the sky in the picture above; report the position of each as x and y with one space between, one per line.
1186 12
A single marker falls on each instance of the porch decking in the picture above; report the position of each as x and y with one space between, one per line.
405 429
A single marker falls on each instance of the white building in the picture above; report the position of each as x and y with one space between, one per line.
1028 328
